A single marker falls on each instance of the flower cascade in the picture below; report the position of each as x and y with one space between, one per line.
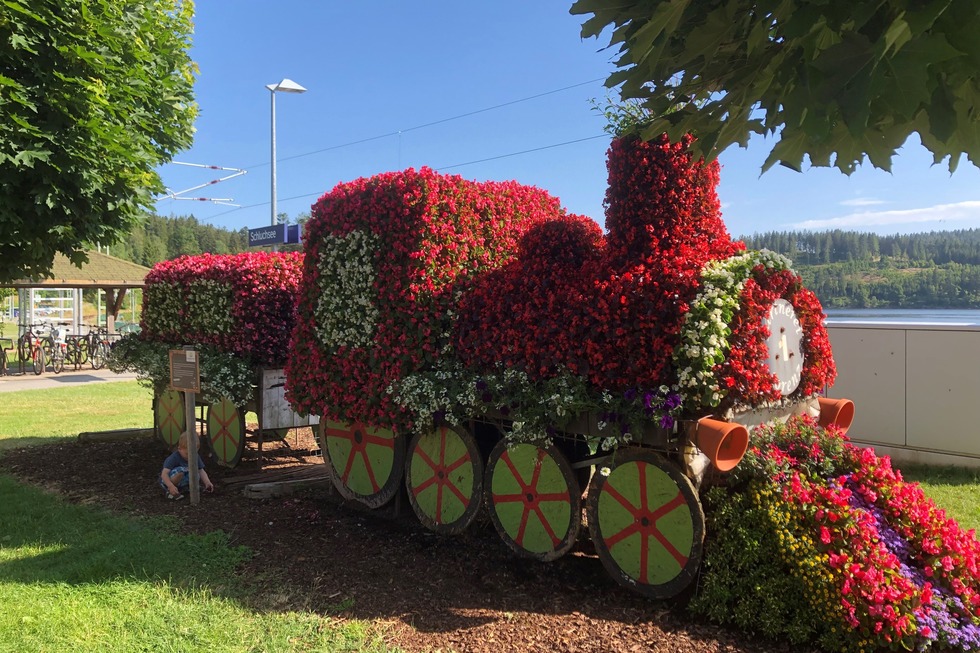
873 559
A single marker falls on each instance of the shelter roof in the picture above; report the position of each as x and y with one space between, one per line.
101 271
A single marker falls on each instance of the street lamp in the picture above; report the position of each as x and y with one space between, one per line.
285 86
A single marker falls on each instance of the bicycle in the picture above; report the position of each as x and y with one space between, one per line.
59 349
76 350
98 346
4 363
31 346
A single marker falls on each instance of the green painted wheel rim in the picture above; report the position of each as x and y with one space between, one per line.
443 477
362 458
170 418
650 525
226 432
532 501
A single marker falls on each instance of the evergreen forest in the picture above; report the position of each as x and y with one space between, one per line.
847 269
850 269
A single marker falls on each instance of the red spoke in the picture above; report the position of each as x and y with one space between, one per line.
508 498
343 434
420 452
459 494
379 440
513 470
554 496
680 558
421 487
668 507
623 501
370 470
547 525
520 531
613 540
465 458
354 450
642 472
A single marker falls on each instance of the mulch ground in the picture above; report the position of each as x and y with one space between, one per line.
424 592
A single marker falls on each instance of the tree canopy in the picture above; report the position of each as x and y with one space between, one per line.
94 95
836 81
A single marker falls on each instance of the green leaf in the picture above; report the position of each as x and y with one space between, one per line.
898 34
789 151
665 19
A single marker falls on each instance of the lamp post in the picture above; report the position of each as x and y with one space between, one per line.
285 86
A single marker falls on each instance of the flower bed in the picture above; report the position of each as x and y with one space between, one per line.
242 304
822 542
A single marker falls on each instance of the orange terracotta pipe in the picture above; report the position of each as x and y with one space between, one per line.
724 443
836 411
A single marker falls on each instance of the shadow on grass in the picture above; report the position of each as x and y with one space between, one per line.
32 441
940 475
46 540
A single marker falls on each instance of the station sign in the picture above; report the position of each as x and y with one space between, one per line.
278 234
271 235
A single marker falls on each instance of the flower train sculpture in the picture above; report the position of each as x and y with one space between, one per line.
478 345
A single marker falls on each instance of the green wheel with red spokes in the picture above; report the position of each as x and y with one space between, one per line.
226 432
444 479
646 523
365 463
534 501
169 416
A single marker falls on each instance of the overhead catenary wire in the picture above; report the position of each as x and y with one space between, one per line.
429 124
457 165
424 126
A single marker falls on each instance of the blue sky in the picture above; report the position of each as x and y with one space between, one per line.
508 85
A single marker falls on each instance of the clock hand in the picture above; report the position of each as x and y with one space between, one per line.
783 347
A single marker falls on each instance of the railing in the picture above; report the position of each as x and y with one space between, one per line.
916 388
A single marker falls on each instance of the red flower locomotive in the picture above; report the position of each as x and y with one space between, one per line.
478 346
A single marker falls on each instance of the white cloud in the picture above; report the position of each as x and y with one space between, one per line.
862 201
941 216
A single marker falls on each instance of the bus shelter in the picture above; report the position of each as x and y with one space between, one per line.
114 276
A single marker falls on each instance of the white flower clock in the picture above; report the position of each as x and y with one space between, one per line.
784 344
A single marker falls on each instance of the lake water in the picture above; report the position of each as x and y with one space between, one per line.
907 315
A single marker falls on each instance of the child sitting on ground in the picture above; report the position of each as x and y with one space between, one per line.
175 477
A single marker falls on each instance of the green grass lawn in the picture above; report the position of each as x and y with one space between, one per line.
76 578
40 416
955 489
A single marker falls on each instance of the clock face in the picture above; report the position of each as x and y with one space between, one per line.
785 353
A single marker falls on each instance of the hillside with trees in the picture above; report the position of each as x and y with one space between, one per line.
157 239
849 269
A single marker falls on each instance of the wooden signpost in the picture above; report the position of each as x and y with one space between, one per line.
185 375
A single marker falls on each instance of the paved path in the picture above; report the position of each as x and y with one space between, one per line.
67 378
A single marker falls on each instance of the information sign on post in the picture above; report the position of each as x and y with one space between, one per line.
185 374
